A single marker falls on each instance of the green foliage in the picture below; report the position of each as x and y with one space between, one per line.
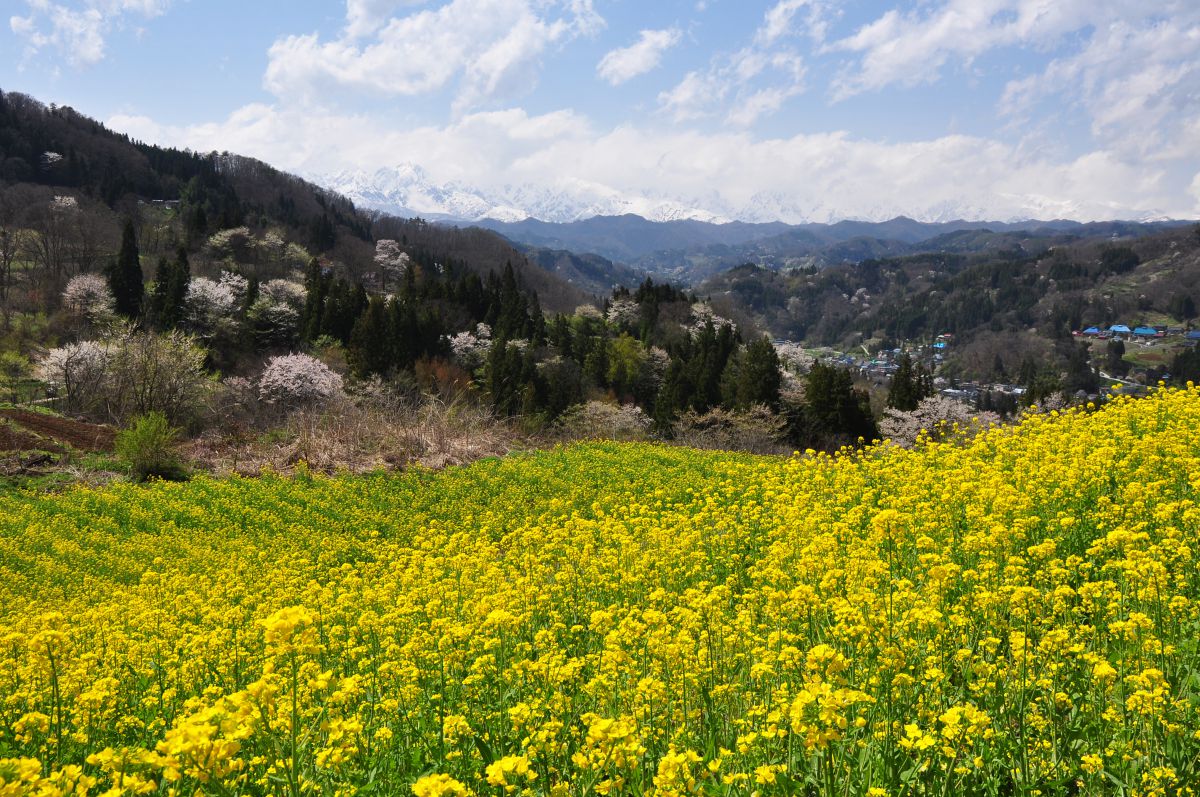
368 352
1186 367
1040 380
1114 358
13 369
834 412
910 384
125 275
148 446
1183 307
1119 260
758 375
316 288
166 303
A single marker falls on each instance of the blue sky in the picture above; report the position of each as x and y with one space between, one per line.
793 109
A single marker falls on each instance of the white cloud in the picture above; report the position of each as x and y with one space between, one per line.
78 30
820 177
752 82
367 16
748 84
912 48
492 48
1139 83
780 19
620 65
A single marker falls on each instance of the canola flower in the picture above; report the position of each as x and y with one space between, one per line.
1015 615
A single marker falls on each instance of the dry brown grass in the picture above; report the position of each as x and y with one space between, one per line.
356 438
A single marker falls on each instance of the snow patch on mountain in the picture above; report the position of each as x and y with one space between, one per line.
408 190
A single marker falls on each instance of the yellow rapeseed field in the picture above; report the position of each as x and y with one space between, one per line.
1013 616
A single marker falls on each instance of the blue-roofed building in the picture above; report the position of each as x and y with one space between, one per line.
1145 332
1092 331
1120 329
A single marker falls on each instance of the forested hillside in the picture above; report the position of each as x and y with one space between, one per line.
1051 291
48 151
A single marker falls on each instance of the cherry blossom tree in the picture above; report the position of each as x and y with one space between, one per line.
935 418
298 379
89 296
390 259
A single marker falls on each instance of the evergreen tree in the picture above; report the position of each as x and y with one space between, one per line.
1186 366
560 335
512 318
508 374
563 385
405 334
910 384
125 275
758 376
537 322
345 304
369 351
166 303
833 410
251 294
1114 358
1183 307
1080 375
316 289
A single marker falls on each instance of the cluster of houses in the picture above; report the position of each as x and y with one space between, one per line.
1124 332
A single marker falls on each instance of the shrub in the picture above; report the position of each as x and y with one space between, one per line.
148 446
603 421
756 430
129 373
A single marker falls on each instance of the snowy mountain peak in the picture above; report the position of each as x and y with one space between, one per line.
407 189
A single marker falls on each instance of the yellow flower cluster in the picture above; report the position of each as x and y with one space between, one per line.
1016 614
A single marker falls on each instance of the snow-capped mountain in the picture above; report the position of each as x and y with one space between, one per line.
408 190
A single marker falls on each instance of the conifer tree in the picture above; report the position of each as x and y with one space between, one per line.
759 379
125 275
165 305
369 351
910 384
316 288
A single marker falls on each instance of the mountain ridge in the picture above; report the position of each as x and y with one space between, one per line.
409 189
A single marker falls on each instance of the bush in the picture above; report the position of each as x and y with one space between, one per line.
597 420
756 430
129 373
148 447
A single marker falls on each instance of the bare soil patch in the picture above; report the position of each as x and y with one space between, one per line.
77 434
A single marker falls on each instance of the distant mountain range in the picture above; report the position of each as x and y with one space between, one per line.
409 190
685 240
690 251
